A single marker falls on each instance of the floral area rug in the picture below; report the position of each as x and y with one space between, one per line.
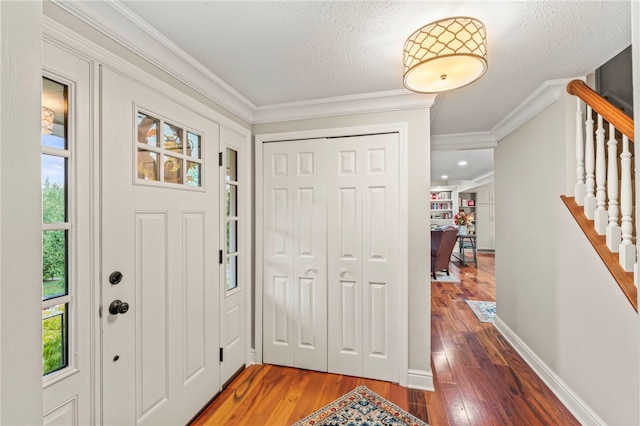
361 407
485 311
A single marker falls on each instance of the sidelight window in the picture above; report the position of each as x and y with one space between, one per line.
231 186
56 227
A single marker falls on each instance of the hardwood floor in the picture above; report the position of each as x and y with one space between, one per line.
479 378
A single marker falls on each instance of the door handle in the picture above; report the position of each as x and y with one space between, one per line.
309 270
118 307
343 272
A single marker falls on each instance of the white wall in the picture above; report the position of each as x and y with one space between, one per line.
418 220
20 214
552 290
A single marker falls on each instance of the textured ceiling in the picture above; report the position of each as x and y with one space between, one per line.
285 51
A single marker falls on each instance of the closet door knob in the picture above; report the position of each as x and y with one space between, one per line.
343 272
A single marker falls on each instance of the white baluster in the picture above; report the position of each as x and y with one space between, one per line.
627 249
580 188
613 229
589 164
601 217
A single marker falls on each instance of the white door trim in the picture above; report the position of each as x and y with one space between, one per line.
403 181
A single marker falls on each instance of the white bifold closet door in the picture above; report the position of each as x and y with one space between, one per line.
295 255
363 262
331 266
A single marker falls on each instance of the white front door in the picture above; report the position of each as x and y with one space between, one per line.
294 280
160 267
363 257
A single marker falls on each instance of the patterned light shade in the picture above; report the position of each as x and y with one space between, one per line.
445 55
47 120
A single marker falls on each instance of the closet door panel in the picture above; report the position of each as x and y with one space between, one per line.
278 274
381 313
294 318
344 251
310 261
362 257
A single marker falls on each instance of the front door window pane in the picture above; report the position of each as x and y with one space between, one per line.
232 163
54 264
54 114
172 169
232 272
54 338
148 129
232 200
54 194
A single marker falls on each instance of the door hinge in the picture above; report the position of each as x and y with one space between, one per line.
220 257
220 159
221 354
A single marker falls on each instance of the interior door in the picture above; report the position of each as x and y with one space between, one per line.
160 268
363 261
295 295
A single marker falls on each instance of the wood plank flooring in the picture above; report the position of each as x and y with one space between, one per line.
479 378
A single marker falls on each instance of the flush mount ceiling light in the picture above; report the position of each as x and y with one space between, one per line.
462 163
445 55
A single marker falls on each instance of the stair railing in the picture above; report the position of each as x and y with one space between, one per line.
608 204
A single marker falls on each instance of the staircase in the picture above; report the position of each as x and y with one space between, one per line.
604 202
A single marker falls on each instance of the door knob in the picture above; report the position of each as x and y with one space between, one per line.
343 272
309 270
118 307
115 277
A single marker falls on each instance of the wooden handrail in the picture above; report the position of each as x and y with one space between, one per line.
600 105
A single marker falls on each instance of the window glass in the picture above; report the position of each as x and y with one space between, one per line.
232 272
54 264
232 162
56 226
232 200
54 114
193 174
54 191
54 338
148 129
172 169
193 145
148 166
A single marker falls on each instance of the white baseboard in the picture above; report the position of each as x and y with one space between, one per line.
419 379
582 412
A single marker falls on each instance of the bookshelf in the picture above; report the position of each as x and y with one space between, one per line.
443 206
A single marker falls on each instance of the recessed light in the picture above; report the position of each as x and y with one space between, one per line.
462 163
444 177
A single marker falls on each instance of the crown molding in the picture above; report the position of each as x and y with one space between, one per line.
544 96
393 100
117 22
458 141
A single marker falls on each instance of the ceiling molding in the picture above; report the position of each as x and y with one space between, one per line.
120 24
460 141
392 100
126 28
544 96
